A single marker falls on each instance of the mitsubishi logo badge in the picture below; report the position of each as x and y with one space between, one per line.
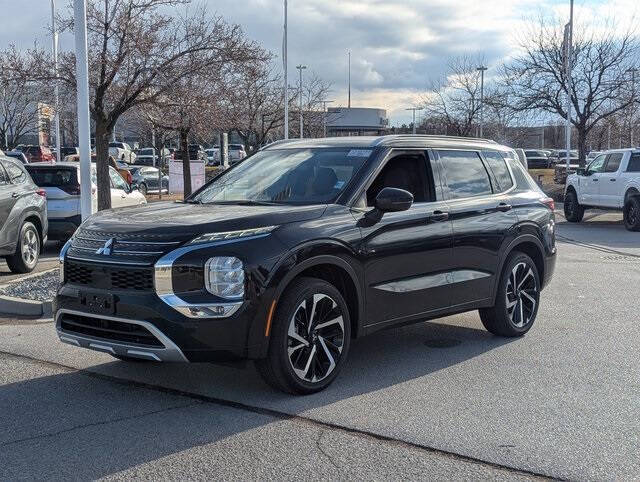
106 249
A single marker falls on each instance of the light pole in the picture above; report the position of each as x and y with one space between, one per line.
286 79
568 38
414 109
324 116
301 68
54 39
633 71
481 69
349 69
82 82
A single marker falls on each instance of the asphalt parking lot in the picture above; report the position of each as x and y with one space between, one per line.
437 400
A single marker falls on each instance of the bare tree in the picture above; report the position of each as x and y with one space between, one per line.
600 86
21 98
138 53
454 99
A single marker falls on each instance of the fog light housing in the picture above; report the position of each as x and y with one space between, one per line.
224 277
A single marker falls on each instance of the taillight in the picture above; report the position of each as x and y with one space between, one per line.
41 192
550 203
73 190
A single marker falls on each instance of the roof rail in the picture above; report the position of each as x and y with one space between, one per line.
434 137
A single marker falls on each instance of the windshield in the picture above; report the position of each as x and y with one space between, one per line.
289 176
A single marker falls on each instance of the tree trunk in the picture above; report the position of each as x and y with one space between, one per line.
103 135
582 144
186 165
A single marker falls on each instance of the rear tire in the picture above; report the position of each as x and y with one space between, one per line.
517 299
631 214
25 259
573 211
305 355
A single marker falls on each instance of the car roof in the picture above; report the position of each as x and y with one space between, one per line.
398 140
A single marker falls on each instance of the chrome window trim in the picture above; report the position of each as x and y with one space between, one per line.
163 282
170 353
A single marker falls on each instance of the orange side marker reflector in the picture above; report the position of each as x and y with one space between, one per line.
267 329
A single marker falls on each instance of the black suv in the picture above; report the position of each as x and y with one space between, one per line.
23 217
288 256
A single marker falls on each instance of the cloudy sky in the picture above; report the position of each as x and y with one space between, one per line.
397 46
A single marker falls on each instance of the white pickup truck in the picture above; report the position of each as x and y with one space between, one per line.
122 152
610 181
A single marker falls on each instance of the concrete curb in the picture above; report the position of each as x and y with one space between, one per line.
10 305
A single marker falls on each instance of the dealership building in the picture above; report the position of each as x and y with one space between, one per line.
356 121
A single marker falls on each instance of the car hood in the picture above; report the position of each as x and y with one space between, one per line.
167 219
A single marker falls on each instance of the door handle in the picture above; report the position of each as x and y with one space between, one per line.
612 179
15 194
439 216
504 207
123 196
595 179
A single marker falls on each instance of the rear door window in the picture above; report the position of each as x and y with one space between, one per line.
15 173
634 163
613 162
465 174
499 169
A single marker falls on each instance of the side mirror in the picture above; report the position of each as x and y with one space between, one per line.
581 171
391 199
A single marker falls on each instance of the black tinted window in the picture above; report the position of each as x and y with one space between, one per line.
16 174
634 163
613 162
54 176
404 171
465 174
499 168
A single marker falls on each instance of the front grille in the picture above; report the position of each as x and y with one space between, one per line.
108 277
116 331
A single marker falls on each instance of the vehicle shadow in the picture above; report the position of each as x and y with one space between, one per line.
54 424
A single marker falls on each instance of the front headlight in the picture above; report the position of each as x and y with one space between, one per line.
224 277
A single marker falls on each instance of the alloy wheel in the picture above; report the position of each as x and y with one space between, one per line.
315 338
30 247
522 295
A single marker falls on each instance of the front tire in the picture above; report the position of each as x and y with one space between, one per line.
25 259
310 337
517 300
573 211
631 214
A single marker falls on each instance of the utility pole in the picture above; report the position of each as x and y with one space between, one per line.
414 109
286 79
481 69
301 68
6 114
633 71
568 38
54 39
82 83
324 116
349 69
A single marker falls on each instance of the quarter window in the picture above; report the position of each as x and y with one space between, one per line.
465 174
613 162
499 169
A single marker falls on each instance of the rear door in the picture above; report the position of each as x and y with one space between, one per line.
482 218
62 186
7 201
611 184
407 254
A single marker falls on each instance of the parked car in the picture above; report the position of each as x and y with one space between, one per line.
308 244
37 153
195 152
560 171
122 151
236 153
69 151
146 179
61 181
213 156
610 181
17 155
148 157
537 159
120 166
23 217
592 155
561 156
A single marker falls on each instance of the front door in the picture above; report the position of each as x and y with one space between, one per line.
406 254
119 189
7 201
590 183
611 185
482 218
